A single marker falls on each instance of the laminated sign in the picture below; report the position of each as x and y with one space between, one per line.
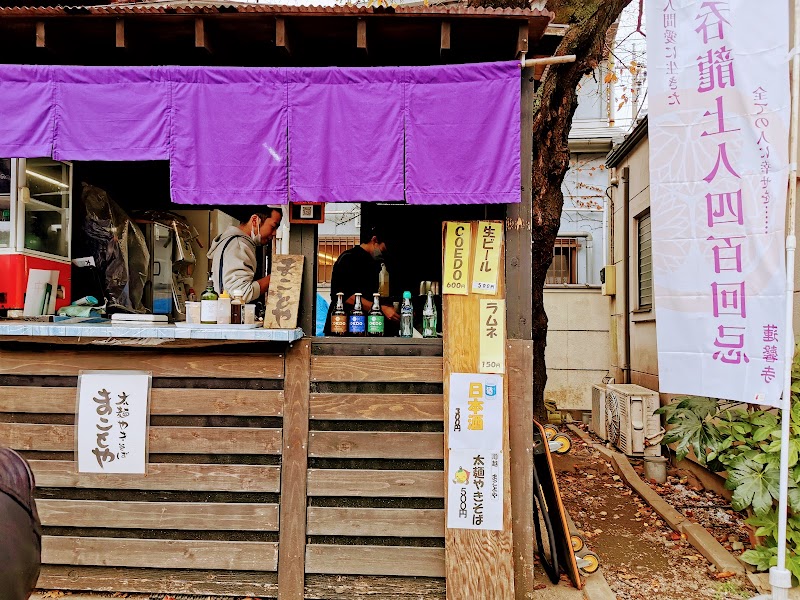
491 358
455 271
112 420
475 458
486 264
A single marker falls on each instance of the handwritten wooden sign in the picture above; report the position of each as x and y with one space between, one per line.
283 299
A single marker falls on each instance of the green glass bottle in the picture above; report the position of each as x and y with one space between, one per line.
208 304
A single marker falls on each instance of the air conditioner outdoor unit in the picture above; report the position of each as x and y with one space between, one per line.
599 410
630 422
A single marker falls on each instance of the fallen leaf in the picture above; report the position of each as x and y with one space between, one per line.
724 575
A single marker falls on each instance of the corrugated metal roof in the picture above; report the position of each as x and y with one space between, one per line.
212 7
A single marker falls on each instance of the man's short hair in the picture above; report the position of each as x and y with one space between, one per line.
376 231
261 215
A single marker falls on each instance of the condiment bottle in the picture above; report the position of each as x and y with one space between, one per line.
375 319
430 317
224 308
357 323
406 317
236 307
208 304
339 317
383 281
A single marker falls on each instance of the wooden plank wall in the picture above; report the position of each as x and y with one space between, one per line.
375 516
204 520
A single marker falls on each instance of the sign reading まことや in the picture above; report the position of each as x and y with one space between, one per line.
112 420
718 128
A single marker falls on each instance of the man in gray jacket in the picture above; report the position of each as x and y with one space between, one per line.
233 255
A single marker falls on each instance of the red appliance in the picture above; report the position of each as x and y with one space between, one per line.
14 269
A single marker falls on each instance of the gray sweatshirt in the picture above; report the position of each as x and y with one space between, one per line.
238 263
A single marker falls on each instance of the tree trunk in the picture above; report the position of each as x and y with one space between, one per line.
551 124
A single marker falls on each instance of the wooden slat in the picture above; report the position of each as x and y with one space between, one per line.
201 35
167 554
174 581
281 35
163 401
482 561
162 364
40 34
374 560
162 476
361 35
520 417
293 482
369 407
373 444
412 369
375 587
522 39
163 440
119 33
375 484
237 516
387 522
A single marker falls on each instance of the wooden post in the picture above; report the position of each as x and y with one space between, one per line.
40 34
479 563
201 35
281 35
303 240
520 415
519 270
294 464
522 39
445 37
361 35
120 33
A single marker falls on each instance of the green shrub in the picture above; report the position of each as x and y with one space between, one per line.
745 442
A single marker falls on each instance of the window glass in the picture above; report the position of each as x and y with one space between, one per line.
46 213
645 261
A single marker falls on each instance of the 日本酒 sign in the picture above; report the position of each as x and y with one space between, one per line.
718 127
112 420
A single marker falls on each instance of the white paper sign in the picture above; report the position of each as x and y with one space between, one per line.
40 293
475 490
718 124
112 420
476 411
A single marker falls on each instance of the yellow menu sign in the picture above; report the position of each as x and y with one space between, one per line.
455 275
487 257
491 357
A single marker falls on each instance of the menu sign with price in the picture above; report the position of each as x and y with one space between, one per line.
486 265
491 356
455 272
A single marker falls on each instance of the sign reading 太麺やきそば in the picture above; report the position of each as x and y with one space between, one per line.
491 354
455 271
475 489
486 264
112 420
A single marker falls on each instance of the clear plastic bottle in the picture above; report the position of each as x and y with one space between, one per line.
430 317
406 317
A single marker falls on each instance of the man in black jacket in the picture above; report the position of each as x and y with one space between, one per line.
20 530
358 270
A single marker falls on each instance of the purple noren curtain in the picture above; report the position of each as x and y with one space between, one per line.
429 135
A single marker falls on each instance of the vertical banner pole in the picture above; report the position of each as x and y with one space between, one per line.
779 576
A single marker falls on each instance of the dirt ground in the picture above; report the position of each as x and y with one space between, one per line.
641 557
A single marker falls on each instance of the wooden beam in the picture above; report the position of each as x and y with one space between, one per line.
292 546
519 249
520 416
361 35
40 34
120 34
522 39
201 35
444 45
481 561
281 35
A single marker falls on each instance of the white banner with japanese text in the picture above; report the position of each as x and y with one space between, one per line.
719 105
112 421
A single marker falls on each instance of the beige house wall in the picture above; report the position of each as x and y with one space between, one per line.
577 354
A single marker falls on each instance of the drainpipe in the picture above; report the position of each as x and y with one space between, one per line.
626 273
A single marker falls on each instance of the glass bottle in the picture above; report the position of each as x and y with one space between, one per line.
208 304
375 320
406 317
357 323
383 281
429 317
236 307
339 317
